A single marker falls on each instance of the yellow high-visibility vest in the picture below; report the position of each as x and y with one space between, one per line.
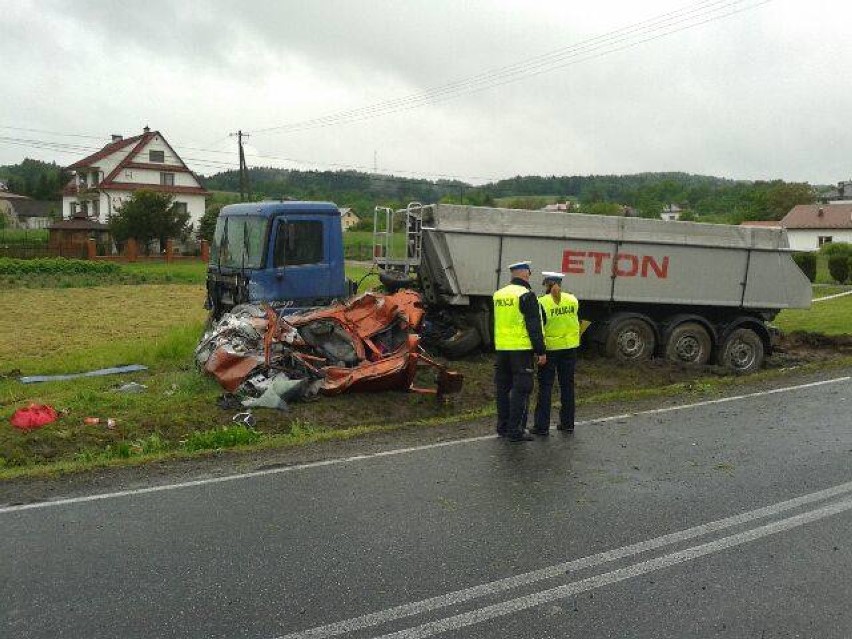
510 330
562 329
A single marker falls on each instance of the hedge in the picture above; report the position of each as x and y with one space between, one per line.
836 248
808 263
838 267
55 265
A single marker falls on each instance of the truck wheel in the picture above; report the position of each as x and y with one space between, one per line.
742 351
463 342
630 340
689 343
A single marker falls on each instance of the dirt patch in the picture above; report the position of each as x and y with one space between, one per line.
816 343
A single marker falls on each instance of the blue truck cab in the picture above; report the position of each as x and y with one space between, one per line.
289 252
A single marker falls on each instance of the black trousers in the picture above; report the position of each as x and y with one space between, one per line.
559 363
513 383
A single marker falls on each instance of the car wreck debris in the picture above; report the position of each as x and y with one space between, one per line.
369 343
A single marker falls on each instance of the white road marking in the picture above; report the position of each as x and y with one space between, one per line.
550 572
561 592
831 297
385 453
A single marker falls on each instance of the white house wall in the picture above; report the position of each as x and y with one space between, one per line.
152 176
157 144
808 239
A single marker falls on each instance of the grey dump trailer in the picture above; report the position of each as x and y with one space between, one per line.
691 292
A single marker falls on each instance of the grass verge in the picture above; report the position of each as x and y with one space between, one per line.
831 317
242 439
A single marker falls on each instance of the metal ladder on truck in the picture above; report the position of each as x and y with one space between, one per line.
390 228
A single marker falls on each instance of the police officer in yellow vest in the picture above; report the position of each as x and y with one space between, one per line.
518 341
562 338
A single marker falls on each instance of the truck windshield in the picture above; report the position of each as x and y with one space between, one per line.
239 242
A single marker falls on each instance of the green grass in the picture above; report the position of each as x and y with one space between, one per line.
177 272
9 237
824 290
831 317
159 325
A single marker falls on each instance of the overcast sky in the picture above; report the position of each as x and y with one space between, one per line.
764 93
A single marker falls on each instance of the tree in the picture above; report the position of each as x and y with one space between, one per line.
207 225
148 216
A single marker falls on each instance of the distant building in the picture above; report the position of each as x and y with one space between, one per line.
104 180
559 207
348 219
23 212
809 226
843 193
671 213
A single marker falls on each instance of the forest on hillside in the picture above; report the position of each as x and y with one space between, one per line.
711 198
36 179
704 197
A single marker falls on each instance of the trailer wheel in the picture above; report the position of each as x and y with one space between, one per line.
689 343
463 342
630 339
742 352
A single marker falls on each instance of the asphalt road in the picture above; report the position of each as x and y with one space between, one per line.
721 519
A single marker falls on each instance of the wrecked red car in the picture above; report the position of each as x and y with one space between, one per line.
369 343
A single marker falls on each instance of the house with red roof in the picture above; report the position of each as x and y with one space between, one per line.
103 181
809 226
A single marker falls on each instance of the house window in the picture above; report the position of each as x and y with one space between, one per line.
823 239
84 206
156 156
96 208
73 209
167 179
179 207
95 178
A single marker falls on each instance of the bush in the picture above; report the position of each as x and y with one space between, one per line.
55 266
808 263
836 248
838 267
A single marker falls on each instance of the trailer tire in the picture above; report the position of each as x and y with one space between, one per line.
465 341
630 339
742 351
689 343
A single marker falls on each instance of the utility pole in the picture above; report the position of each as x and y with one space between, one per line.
375 161
245 187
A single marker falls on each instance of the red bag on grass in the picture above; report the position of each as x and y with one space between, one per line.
33 416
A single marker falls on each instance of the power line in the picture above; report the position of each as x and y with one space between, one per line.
706 11
69 148
627 37
76 149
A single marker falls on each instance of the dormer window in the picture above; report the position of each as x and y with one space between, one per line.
156 156
95 178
